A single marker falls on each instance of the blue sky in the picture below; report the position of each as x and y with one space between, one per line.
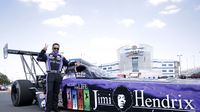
94 29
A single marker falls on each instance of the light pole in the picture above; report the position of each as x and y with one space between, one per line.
194 62
179 57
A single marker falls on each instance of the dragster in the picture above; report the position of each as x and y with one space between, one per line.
87 88
25 92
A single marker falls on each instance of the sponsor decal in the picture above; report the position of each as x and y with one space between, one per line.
164 103
122 99
74 99
80 99
69 98
86 99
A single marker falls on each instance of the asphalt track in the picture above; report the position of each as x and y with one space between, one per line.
6 105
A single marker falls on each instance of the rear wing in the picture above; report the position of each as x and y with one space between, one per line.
7 51
28 69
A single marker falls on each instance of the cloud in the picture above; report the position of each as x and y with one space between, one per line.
49 5
126 22
64 20
156 23
158 2
61 33
171 9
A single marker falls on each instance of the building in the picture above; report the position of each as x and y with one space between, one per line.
133 58
110 68
168 68
160 69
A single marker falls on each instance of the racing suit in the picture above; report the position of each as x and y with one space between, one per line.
54 63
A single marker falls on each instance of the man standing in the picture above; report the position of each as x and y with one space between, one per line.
54 63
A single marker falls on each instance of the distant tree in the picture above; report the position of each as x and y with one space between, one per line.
4 79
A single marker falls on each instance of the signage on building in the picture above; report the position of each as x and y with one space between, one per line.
134 51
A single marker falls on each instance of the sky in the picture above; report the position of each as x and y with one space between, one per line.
95 29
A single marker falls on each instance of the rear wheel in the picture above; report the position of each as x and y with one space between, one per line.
21 95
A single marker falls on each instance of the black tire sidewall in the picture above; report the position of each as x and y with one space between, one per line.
21 94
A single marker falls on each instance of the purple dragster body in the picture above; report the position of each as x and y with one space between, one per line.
139 95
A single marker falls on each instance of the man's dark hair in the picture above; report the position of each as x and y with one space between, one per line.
56 44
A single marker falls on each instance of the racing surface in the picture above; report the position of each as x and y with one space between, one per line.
6 105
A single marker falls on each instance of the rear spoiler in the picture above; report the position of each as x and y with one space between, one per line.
28 69
7 51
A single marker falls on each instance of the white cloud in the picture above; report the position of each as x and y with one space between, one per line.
126 22
157 2
50 5
64 20
171 9
156 23
61 33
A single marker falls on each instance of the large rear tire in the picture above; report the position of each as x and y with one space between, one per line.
21 95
